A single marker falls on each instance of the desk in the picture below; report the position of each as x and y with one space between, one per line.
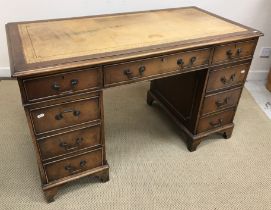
197 63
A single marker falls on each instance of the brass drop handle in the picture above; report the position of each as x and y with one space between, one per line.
223 103
56 86
60 115
238 52
76 113
69 147
216 124
193 60
128 73
228 81
229 54
141 70
74 82
72 169
180 62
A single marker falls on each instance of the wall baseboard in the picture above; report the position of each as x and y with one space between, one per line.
257 75
5 72
253 75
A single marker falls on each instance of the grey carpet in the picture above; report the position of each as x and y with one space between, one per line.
150 165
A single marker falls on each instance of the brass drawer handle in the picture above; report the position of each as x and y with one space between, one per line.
193 60
69 147
223 103
128 73
60 116
57 87
229 54
72 169
74 82
228 81
216 124
238 52
180 62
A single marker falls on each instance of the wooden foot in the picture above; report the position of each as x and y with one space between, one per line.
192 145
227 133
50 194
150 99
104 177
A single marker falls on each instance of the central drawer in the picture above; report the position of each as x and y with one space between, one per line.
65 114
140 69
74 165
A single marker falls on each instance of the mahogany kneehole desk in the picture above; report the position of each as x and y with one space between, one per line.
196 61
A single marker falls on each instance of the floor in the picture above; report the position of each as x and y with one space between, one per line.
261 95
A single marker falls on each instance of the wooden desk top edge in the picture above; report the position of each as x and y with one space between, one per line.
20 68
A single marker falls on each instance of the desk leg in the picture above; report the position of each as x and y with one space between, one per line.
104 176
192 145
150 99
50 194
227 132
194 141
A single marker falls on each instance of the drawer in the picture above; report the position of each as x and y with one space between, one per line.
230 52
219 101
69 142
61 84
65 114
121 73
227 77
215 121
74 165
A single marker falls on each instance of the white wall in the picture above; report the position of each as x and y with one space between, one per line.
253 13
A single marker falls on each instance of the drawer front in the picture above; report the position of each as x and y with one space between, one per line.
69 142
214 103
215 121
65 114
74 165
227 77
230 52
61 84
124 72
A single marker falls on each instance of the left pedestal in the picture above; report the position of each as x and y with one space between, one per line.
65 117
